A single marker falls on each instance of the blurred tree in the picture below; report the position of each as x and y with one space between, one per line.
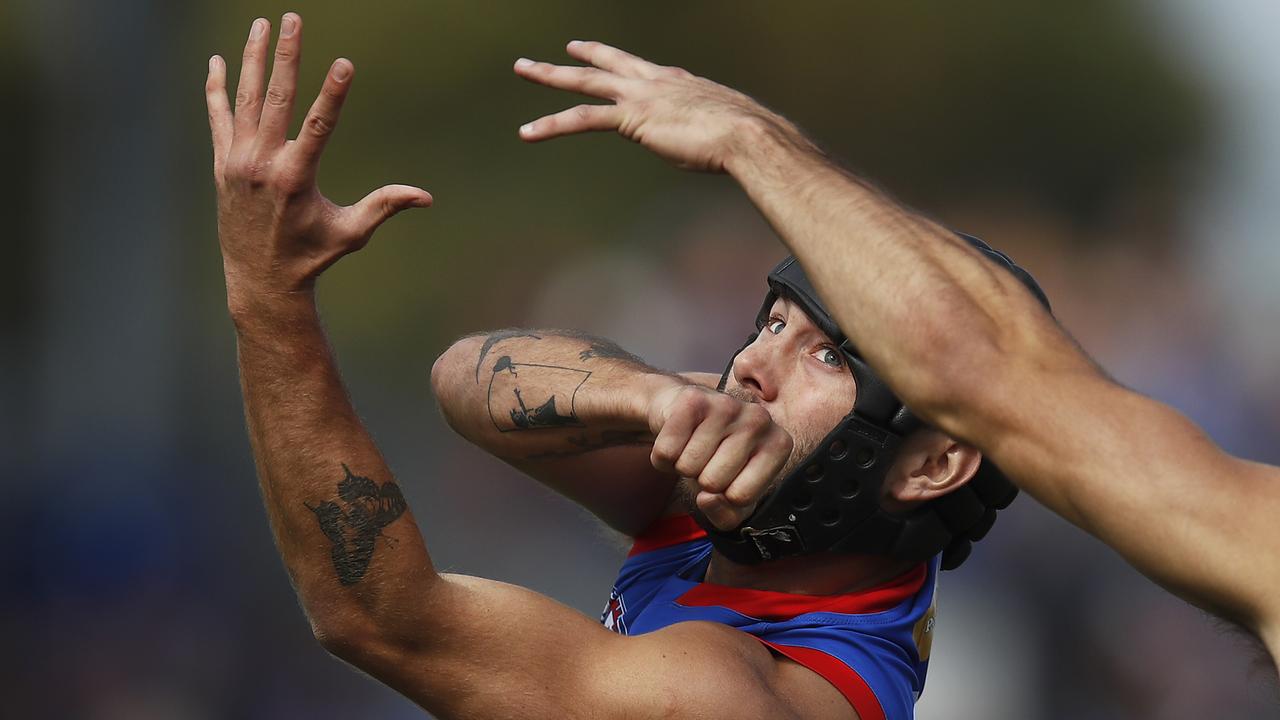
1066 105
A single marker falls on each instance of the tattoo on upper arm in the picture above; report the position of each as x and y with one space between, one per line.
511 408
354 530
496 337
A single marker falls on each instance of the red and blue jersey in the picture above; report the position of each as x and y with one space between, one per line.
872 645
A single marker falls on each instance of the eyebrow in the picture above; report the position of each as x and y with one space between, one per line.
792 306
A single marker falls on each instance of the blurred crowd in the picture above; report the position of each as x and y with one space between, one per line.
139 579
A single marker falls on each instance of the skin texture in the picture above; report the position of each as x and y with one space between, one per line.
657 426
962 342
652 434
347 538
645 429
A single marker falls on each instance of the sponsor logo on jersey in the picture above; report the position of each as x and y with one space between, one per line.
922 633
611 618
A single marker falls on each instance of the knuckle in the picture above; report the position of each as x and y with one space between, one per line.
721 404
736 494
319 125
712 482
278 96
662 455
688 466
291 182
584 112
235 169
245 99
693 400
780 443
785 440
247 170
285 52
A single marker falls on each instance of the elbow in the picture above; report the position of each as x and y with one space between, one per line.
352 642
341 634
449 373
337 641
379 651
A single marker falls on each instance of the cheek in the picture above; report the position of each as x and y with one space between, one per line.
822 406
831 401
815 413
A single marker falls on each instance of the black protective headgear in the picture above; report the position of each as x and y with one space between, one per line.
831 500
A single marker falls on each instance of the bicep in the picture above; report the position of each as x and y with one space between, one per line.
1150 483
502 651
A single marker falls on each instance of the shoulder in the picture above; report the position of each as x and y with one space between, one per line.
708 670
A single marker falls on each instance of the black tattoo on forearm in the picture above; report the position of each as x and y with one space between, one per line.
496 337
510 409
354 531
601 348
583 443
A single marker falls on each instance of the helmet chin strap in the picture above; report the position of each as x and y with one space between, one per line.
728 369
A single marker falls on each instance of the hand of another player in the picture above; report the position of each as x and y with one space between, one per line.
276 229
690 121
733 449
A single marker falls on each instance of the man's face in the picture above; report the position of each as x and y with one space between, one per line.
796 373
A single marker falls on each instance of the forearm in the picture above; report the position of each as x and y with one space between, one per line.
352 549
969 349
531 395
924 308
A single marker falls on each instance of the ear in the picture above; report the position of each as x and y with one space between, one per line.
929 465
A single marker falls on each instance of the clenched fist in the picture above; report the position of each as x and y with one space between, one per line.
733 449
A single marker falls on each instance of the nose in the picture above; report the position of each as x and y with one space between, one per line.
755 370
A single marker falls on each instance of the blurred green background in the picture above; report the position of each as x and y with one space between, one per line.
1120 150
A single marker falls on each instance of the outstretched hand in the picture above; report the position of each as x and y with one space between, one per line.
277 231
692 122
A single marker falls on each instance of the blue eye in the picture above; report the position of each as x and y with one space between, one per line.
775 325
828 356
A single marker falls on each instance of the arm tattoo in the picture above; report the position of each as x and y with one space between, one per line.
583 443
601 348
510 410
496 337
354 530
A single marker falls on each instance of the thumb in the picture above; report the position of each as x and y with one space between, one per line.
375 208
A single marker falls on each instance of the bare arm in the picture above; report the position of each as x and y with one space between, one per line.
598 425
348 540
567 409
961 341
965 344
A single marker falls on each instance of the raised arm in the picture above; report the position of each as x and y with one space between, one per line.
966 345
460 647
961 341
598 425
570 410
